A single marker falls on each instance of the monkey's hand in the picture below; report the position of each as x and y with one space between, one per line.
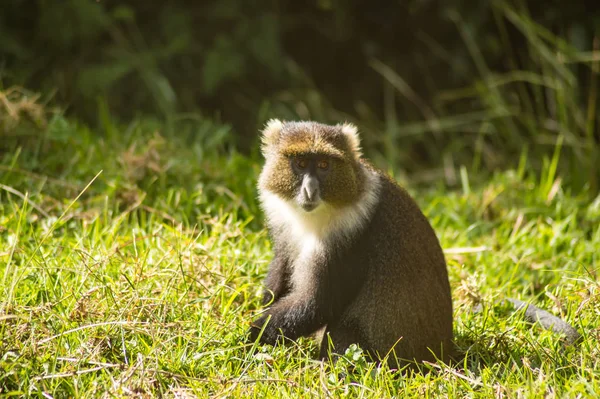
274 331
290 318
268 336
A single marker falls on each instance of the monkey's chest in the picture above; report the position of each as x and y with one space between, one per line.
309 256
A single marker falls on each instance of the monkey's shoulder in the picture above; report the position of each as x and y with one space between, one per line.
394 200
397 224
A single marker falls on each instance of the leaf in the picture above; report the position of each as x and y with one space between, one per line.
98 78
222 63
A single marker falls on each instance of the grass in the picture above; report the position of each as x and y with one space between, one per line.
544 91
130 265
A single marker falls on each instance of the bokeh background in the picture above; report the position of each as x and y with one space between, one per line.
433 85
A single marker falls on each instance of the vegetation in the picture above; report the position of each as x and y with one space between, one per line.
131 260
434 84
132 245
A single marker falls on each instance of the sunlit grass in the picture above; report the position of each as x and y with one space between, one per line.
130 265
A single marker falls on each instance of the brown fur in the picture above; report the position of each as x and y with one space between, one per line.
282 141
376 278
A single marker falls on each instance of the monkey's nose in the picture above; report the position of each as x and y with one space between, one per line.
310 193
311 189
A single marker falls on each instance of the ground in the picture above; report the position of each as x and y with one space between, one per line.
131 262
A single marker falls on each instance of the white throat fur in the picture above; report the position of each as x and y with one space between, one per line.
324 222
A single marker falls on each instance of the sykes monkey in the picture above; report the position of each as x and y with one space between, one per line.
352 251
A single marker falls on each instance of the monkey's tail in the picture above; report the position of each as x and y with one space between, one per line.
533 314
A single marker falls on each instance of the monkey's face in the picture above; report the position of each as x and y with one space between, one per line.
311 166
310 172
312 180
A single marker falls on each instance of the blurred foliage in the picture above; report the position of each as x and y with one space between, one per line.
431 82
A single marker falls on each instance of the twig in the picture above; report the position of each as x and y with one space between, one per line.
73 373
455 373
40 177
466 250
25 198
53 226
162 214
92 362
107 323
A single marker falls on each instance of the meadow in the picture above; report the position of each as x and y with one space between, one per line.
131 261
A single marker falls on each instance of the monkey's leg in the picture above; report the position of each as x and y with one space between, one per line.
338 337
291 317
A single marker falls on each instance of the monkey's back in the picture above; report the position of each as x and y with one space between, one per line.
404 301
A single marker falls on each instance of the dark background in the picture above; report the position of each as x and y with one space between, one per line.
432 84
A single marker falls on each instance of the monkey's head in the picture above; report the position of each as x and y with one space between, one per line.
311 166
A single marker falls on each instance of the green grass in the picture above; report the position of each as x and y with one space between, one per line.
131 263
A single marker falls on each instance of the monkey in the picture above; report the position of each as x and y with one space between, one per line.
353 252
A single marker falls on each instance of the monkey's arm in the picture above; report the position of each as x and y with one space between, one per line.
303 311
292 316
276 284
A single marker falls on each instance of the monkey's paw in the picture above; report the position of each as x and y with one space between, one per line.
270 334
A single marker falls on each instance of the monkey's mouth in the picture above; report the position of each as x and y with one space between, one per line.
309 206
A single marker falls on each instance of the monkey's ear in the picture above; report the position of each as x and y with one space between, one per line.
270 134
351 133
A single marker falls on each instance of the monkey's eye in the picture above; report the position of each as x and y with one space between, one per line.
323 164
300 163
